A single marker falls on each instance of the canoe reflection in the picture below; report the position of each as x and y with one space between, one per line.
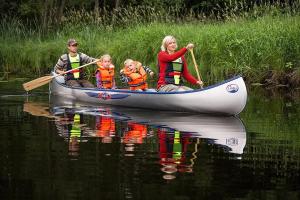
177 136
228 131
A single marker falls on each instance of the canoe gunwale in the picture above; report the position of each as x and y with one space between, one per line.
143 92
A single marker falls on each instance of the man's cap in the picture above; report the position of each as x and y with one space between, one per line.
71 42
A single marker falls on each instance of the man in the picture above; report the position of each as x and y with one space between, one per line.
72 60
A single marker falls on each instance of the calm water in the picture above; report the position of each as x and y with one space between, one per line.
54 149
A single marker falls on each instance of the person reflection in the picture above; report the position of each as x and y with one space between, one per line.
173 146
70 127
133 134
105 127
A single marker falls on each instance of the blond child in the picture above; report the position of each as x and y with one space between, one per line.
135 75
105 74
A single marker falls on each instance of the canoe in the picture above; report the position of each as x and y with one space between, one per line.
227 98
226 131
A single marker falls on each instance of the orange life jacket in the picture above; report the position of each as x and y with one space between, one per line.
138 78
105 127
136 133
106 75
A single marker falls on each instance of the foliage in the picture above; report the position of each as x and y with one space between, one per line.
252 42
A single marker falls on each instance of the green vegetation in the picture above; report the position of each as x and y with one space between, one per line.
262 43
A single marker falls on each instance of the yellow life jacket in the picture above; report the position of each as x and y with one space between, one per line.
75 130
75 62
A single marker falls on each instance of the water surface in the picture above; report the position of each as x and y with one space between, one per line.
53 149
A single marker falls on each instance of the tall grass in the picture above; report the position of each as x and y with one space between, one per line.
251 45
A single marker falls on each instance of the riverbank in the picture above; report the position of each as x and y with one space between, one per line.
265 50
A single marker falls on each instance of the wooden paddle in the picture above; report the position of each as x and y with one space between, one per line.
196 67
46 79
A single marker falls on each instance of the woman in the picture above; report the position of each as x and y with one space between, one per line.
173 67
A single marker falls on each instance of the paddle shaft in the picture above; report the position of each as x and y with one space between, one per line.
75 69
196 66
46 79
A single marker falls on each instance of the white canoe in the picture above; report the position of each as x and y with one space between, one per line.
228 97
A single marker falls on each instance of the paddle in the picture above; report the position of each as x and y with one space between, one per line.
46 79
196 67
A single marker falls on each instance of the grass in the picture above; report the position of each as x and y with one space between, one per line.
251 46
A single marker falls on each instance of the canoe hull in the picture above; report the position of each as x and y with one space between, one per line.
228 97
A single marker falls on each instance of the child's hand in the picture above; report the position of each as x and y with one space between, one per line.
151 74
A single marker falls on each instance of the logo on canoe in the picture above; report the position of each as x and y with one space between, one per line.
232 141
232 88
104 96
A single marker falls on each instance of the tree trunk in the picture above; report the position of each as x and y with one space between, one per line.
61 11
96 9
45 15
117 4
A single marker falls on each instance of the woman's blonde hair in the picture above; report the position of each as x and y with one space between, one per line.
166 41
105 56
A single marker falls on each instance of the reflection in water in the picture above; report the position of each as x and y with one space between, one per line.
133 134
70 127
177 134
35 160
173 148
105 126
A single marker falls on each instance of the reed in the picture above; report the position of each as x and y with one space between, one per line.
251 44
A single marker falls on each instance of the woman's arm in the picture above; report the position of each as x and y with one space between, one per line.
186 74
165 57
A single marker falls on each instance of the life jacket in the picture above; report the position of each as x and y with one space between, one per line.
138 78
173 73
72 63
136 133
106 75
75 131
172 147
105 127
177 147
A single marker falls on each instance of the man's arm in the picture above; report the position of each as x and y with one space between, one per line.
86 59
61 65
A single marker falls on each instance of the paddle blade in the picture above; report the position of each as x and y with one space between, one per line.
37 82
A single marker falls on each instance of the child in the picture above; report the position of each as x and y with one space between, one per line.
105 73
135 75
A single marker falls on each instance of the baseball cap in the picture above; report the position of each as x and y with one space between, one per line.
71 42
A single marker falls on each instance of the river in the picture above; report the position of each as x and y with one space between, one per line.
53 149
